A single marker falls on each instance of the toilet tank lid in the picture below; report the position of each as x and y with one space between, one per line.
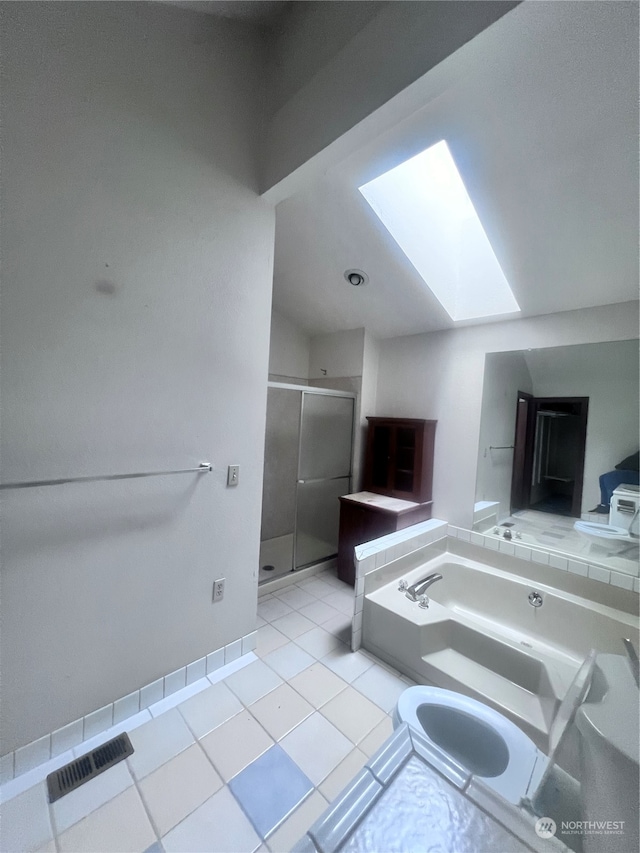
613 715
574 697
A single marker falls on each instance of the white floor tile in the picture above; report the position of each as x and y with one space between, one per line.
374 740
281 710
318 642
235 744
158 741
319 612
353 714
318 684
217 826
253 682
295 597
210 709
339 778
295 826
293 624
342 601
316 746
347 664
381 686
288 660
317 588
272 609
90 796
340 627
24 821
177 788
269 639
121 824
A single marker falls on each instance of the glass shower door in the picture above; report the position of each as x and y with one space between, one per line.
324 474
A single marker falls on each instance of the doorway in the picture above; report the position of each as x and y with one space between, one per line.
307 467
549 450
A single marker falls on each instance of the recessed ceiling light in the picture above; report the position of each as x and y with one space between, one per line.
356 277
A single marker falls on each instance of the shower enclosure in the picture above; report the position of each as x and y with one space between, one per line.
307 467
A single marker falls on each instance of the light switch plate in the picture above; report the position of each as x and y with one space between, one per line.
233 475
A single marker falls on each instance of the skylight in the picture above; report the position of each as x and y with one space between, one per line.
424 205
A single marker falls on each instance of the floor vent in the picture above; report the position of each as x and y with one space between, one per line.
80 770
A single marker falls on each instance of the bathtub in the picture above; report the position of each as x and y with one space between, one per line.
480 636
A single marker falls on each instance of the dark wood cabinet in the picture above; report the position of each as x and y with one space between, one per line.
399 458
365 516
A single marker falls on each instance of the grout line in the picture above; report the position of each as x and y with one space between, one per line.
144 804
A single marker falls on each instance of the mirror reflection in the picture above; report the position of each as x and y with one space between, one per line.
558 451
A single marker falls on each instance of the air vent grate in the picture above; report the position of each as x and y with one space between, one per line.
80 770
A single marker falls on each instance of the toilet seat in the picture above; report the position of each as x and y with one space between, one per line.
526 763
603 534
527 767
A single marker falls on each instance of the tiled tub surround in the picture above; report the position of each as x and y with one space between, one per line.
480 636
91 730
404 550
306 713
557 535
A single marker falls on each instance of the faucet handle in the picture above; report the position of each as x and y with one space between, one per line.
423 602
403 586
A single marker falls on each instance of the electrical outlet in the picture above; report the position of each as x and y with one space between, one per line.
218 590
233 475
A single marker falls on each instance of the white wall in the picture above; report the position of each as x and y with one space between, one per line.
289 349
360 76
308 37
440 376
337 354
505 374
137 264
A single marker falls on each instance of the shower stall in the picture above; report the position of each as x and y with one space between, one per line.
307 467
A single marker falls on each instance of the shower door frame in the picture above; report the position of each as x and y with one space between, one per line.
327 392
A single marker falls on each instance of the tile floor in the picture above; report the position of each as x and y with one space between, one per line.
243 764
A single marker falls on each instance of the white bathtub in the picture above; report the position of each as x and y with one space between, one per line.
482 637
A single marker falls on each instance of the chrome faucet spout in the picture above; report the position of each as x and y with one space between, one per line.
414 592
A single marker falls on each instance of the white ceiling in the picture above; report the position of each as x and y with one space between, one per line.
545 134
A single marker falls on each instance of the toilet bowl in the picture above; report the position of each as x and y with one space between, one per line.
606 535
484 741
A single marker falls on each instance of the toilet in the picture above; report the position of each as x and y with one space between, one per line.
483 740
607 535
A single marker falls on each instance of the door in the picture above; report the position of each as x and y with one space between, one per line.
520 476
324 474
549 450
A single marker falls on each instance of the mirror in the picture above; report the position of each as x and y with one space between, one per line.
541 452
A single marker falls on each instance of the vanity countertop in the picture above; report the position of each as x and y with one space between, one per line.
381 502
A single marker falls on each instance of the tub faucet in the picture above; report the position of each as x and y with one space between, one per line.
414 592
